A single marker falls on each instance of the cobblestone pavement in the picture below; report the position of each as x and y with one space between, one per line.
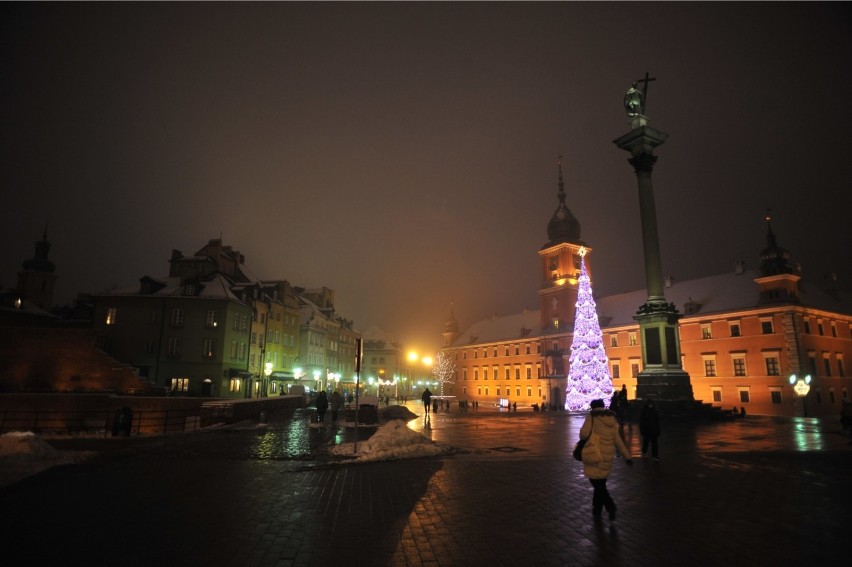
754 491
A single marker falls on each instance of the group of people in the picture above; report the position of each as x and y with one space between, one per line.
323 404
601 431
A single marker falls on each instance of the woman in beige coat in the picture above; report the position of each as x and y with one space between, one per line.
599 453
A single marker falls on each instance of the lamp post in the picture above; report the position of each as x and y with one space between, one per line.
267 372
801 386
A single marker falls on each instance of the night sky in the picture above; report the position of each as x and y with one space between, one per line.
405 155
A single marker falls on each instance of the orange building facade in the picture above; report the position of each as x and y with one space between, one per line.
742 336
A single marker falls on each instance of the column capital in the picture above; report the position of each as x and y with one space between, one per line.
643 163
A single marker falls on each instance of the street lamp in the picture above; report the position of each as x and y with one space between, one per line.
267 372
801 386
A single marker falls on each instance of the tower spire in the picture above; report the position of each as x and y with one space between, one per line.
563 225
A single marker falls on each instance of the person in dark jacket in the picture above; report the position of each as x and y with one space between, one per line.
649 428
322 405
426 397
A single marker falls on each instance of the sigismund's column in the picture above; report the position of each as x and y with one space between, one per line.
662 376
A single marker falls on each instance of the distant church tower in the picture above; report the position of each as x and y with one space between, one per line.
560 267
36 280
451 329
778 281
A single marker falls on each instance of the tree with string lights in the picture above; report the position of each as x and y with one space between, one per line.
443 370
588 375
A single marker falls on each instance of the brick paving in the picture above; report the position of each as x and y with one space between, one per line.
755 491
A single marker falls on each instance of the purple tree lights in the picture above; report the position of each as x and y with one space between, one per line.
588 374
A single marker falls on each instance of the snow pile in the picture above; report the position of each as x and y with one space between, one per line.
23 454
392 441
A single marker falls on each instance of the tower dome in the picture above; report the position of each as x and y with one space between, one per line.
774 260
563 226
39 262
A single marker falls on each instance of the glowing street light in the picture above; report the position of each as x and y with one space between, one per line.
267 372
801 386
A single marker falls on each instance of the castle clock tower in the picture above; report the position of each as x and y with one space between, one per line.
36 280
560 268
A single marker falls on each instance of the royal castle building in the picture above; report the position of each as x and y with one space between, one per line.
743 335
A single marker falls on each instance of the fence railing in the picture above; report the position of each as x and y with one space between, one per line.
114 422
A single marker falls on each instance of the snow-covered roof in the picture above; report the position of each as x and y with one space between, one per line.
714 294
216 287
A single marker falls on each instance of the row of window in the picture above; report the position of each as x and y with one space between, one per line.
775 395
771 363
507 391
178 316
507 350
507 372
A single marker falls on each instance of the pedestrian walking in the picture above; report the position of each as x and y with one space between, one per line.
846 417
336 401
322 405
601 431
649 429
426 397
623 405
615 406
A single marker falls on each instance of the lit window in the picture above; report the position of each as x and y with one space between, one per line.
180 384
613 340
177 317
212 318
235 385
709 366
111 315
705 332
632 339
739 366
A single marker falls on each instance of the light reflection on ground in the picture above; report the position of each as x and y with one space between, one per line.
556 433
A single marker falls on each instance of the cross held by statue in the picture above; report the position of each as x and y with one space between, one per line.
646 80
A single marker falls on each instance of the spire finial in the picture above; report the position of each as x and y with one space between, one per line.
561 184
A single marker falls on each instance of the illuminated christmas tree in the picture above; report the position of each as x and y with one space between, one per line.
588 374
443 370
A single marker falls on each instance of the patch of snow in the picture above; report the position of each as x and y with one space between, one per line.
392 441
24 454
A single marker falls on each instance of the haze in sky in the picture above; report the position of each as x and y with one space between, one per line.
405 154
